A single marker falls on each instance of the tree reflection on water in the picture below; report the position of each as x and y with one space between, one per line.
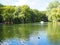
54 33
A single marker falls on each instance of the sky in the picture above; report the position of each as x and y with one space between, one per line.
35 4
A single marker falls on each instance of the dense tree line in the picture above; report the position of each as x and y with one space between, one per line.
24 14
21 14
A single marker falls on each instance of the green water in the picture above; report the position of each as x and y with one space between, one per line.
30 34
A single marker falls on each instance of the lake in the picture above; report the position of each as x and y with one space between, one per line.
30 34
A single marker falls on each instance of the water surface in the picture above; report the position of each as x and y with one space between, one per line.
30 34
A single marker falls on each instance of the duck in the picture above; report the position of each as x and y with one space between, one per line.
38 37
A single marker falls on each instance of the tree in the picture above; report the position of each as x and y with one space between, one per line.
54 14
21 14
54 4
1 5
53 11
25 10
38 16
8 14
16 15
1 12
43 16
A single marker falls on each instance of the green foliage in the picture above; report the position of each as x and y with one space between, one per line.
1 5
25 11
1 12
21 14
54 4
53 12
8 13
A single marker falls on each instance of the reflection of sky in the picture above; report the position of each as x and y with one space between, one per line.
32 41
